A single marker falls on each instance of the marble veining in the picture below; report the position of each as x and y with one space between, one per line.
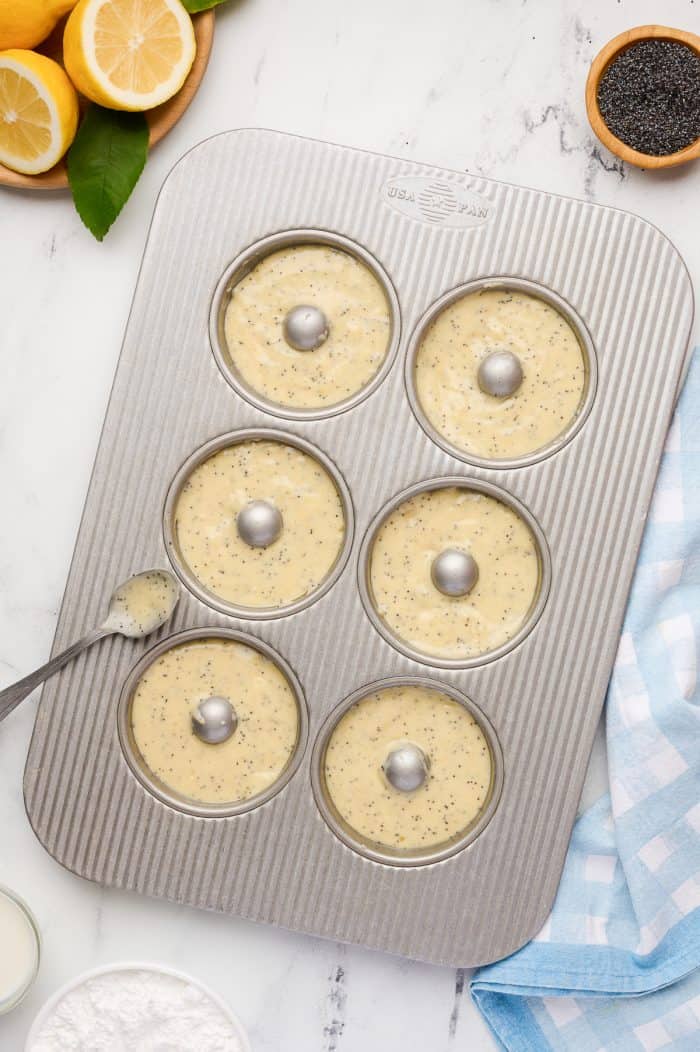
336 1002
493 88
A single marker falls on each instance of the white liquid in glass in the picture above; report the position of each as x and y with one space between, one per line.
20 952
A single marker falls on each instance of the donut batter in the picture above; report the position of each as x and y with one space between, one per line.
312 533
259 749
448 360
449 626
142 602
458 784
354 304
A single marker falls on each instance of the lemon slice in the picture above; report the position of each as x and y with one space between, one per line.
38 112
128 54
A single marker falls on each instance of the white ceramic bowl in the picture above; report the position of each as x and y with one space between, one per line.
134 966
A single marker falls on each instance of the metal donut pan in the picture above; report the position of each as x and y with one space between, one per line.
426 231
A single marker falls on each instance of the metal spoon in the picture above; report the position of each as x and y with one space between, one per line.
138 607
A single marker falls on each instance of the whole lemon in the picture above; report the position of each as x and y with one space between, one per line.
25 23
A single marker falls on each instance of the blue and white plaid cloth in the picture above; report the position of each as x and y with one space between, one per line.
613 969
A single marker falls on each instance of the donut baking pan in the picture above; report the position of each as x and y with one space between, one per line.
556 534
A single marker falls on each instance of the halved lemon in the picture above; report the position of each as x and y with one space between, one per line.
128 54
38 112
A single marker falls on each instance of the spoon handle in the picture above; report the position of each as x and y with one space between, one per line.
11 696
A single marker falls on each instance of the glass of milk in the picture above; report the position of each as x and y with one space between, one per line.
21 949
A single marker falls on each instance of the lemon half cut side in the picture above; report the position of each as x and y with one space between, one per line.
38 112
128 54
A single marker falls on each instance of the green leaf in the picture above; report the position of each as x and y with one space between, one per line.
193 6
104 164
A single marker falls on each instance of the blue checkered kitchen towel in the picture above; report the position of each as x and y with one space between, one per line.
613 969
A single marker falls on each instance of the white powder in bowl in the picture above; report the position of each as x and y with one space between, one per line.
136 1010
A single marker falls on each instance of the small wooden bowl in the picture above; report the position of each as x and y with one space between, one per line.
160 120
600 64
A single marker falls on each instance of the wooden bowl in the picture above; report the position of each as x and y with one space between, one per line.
600 64
160 120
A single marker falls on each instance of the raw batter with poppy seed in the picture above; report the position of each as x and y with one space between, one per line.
311 537
446 626
259 749
456 343
359 326
455 792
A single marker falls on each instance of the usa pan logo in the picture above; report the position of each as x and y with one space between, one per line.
436 201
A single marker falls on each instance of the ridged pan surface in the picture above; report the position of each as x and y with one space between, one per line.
430 230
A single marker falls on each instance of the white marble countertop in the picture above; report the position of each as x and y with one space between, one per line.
492 87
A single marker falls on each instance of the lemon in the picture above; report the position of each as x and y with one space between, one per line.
38 111
128 54
25 23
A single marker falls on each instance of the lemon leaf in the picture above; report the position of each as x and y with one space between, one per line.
193 6
104 164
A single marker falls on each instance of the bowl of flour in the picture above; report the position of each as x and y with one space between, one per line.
136 1008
